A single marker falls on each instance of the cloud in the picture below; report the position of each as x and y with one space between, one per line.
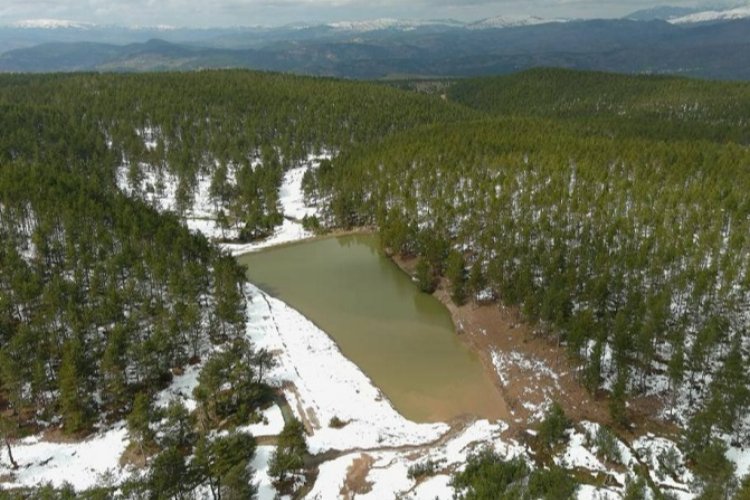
239 12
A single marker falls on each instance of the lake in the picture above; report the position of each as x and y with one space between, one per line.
404 340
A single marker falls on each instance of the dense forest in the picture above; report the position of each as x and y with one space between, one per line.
238 128
612 210
103 297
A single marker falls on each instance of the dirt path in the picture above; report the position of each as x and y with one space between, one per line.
456 428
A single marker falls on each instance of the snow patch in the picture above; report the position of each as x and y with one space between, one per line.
81 464
510 21
262 480
271 424
714 15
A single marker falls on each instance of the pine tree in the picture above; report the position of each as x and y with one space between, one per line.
732 387
476 282
176 429
169 476
553 426
743 493
8 431
74 405
114 385
139 422
224 463
289 457
617 408
425 275
456 273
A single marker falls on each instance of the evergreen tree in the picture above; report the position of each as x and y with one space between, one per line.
176 431
553 426
456 273
74 398
425 275
8 431
169 476
289 457
743 493
139 423
224 463
476 282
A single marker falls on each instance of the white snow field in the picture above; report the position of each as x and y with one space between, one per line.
81 464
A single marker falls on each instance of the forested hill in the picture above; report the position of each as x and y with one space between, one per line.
647 106
611 210
563 93
220 124
101 296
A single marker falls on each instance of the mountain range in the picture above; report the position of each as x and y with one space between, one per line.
704 43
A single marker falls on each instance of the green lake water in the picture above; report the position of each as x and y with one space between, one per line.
402 339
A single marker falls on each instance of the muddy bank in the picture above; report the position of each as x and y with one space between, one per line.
529 369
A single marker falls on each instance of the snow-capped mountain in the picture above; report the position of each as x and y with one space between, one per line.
408 25
158 27
510 22
50 24
714 15
388 24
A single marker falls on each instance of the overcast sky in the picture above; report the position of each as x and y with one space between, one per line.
203 13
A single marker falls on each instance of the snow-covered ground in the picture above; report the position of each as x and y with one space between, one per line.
387 476
326 384
83 464
159 189
262 480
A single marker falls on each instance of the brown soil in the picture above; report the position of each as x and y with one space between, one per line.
535 368
57 435
356 477
133 456
309 419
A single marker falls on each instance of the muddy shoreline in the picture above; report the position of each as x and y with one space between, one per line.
535 369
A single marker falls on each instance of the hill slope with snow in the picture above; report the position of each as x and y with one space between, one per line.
510 22
714 16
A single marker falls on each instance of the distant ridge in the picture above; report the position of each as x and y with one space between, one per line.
663 13
391 48
388 23
511 22
50 24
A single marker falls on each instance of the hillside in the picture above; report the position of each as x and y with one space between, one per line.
107 299
645 106
609 212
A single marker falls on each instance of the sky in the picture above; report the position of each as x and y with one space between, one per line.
206 13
